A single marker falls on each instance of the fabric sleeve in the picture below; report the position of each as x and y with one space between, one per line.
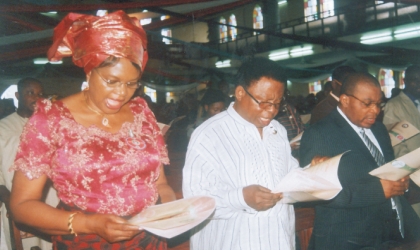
202 175
36 148
359 188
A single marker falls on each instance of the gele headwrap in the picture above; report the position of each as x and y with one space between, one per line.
92 39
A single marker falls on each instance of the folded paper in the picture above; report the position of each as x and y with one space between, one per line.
173 218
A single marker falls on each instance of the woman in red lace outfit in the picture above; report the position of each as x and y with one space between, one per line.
103 152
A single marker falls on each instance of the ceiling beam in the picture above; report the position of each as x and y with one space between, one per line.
86 7
28 24
24 53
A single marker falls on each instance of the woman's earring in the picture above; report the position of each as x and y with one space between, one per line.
85 86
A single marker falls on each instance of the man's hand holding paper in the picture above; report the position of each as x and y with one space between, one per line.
395 188
260 198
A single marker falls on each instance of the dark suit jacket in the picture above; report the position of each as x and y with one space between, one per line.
359 216
323 108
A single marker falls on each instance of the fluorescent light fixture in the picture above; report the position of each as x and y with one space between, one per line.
276 56
223 64
376 38
45 61
407 33
281 2
307 50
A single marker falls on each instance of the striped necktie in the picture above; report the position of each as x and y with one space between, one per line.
380 160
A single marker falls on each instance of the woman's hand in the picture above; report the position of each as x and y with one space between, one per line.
110 227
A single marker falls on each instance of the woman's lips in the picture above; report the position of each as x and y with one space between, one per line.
113 104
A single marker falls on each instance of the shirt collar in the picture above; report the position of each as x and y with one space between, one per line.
335 97
354 126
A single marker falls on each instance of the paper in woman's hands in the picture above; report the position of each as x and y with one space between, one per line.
407 164
319 182
173 218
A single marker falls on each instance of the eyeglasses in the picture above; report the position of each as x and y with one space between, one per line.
379 105
266 105
114 84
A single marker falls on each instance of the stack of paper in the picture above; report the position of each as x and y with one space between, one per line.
174 218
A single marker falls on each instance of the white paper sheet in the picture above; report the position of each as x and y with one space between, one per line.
173 218
319 182
405 165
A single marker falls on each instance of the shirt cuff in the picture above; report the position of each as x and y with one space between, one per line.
237 201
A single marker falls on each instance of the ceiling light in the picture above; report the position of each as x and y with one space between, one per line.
304 51
281 2
223 64
407 33
280 55
376 38
45 61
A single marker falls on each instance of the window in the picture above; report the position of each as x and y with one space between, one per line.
386 79
145 21
257 18
233 32
311 10
150 92
223 30
327 8
401 83
314 87
168 33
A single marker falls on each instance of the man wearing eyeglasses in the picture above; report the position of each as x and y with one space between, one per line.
237 157
369 213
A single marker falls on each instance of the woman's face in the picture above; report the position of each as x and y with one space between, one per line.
110 99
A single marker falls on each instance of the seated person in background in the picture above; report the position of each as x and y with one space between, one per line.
364 214
212 103
102 150
330 102
236 157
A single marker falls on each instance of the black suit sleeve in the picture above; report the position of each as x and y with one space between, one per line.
359 188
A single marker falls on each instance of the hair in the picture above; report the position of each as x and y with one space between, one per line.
24 82
352 80
251 71
412 72
212 96
341 72
113 60
327 85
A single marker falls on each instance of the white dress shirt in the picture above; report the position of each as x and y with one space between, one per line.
225 154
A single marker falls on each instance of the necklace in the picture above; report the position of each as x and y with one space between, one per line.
105 120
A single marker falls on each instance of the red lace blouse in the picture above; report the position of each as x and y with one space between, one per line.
95 170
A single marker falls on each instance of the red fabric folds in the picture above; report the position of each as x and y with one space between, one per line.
92 39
